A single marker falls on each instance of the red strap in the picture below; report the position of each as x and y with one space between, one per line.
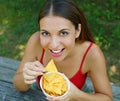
85 55
41 59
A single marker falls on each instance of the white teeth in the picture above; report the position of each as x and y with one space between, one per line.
57 51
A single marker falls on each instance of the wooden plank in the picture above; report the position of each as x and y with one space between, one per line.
116 92
9 63
6 74
8 68
9 93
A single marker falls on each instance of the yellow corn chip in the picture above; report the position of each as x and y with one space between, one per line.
54 84
51 67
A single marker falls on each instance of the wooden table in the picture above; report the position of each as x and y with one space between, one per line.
9 93
7 90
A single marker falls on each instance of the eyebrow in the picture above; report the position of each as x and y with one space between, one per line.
64 29
43 30
59 30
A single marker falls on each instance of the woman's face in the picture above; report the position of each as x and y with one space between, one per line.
57 37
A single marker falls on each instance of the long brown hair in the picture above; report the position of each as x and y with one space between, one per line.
69 10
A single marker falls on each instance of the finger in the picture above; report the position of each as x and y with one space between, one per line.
56 99
29 77
37 69
30 69
38 64
30 81
32 73
49 99
35 66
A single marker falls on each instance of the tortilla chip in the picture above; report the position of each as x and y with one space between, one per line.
54 84
51 67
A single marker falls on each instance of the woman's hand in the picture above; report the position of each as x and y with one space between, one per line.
31 70
69 97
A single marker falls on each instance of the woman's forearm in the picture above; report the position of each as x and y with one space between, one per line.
79 95
82 96
19 83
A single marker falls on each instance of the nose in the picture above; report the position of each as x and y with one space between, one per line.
54 43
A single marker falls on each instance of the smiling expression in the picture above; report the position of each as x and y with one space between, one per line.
57 36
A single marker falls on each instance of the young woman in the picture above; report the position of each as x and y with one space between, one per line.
65 37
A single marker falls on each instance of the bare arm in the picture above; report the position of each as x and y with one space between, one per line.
27 71
97 70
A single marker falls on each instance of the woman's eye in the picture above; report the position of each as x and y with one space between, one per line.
45 34
64 33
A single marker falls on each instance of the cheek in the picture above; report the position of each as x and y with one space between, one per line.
43 42
69 42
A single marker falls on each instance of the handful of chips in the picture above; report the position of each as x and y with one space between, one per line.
54 83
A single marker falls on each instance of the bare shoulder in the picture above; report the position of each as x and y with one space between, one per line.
96 54
34 38
32 50
33 46
95 58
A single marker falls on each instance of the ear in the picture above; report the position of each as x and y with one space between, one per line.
78 31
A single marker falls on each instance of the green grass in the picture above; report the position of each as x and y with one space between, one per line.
18 20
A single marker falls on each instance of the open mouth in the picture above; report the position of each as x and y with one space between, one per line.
57 53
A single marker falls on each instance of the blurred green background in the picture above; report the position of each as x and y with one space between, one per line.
18 20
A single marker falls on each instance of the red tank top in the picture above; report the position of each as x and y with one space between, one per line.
79 78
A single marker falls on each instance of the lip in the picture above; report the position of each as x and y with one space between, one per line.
56 53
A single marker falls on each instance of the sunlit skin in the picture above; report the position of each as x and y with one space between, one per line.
57 37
